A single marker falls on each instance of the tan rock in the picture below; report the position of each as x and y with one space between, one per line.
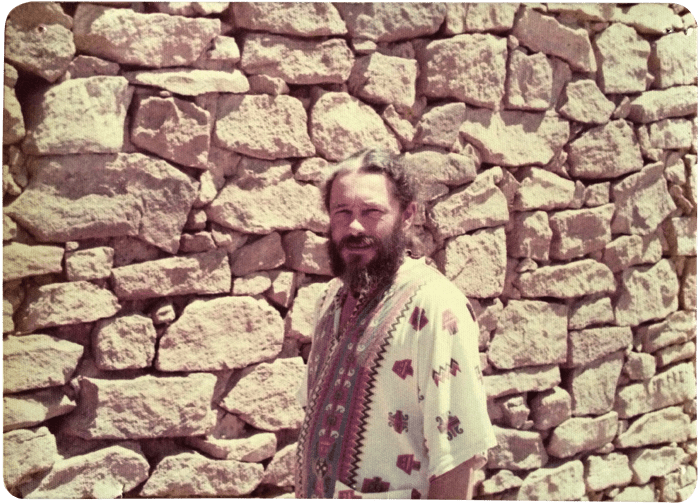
30 409
674 59
153 205
315 170
586 346
647 293
280 471
516 450
78 116
576 233
656 19
679 485
263 254
636 493
13 122
283 287
301 318
658 427
196 243
297 19
675 353
89 66
529 86
501 136
476 263
564 482
124 342
622 56
432 166
468 68
689 285
580 434
609 470
605 152
682 235
193 475
439 125
201 273
222 56
27 453
402 128
307 252
143 407
530 333
576 279
226 238
670 387
388 22
522 380
502 480
266 397
384 80
89 264
341 125
542 33
64 304
674 133
257 173
251 284
655 105
550 408
220 334
584 102
264 84
190 81
489 17
592 387
128 250
597 194
252 449
590 311
128 37
106 473
21 260
640 366
624 252
283 134
38 39
530 235
296 61
648 463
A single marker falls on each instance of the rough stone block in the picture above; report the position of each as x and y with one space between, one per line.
640 366
264 254
676 353
27 453
297 19
280 471
530 235
252 284
192 82
30 409
550 408
592 387
252 449
576 279
564 482
89 264
517 450
586 346
307 252
585 102
522 380
659 427
623 55
580 434
609 470
540 189
648 463
674 59
590 311
656 104
301 318
21 260
647 293
576 233
382 79
682 235
529 86
124 342
439 125
388 22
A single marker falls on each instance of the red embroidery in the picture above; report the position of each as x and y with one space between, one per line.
375 485
398 421
407 463
442 373
418 319
348 494
451 426
403 368
415 494
449 322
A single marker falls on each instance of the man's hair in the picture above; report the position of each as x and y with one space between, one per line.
375 161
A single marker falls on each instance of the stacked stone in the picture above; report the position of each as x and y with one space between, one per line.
164 240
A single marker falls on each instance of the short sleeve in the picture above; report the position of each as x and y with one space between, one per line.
456 423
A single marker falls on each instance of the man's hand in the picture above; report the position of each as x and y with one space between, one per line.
458 483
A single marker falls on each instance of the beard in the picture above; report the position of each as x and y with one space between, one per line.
380 270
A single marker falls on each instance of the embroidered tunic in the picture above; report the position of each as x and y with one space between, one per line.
395 397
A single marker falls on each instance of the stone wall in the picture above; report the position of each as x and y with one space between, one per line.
164 238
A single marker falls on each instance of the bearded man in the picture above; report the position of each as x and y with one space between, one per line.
395 406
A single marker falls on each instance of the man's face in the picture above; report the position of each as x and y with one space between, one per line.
367 229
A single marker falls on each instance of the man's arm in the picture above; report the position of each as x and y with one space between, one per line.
456 484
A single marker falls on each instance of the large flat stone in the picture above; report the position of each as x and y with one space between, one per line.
576 279
550 408
606 151
253 449
656 104
622 54
153 201
220 334
580 434
541 189
649 462
291 18
144 407
261 255
678 327
124 342
132 38
586 346
29 409
27 453
201 273
592 387
191 81
517 450
522 380
529 86
576 233
564 482
382 79
388 22
647 293
21 260
674 59
606 471
659 427
307 252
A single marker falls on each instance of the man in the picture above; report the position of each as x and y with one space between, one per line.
395 403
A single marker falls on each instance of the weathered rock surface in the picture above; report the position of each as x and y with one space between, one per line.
295 61
678 327
476 263
586 346
152 205
264 254
89 66
585 102
280 471
622 56
592 387
439 125
640 366
89 264
300 320
576 233
540 189
522 380
530 235
606 151
659 427
529 86
648 463
606 471
674 59
676 353
253 449
251 397
282 134
670 387
222 333
647 293
391 21
30 409
21 260
469 68
132 38
193 475
297 19
78 116
144 407
341 125
174 129
283 287
106 473
201 273
671 133
682 235
576 279
513 138
65 303
550 408
432 166
529 333
124 342
579 434
501 481
191 81
27 452
627 251
13 122
273 207
542 33
517 450
586 312
307 252
656 104
383 79
564 482
252 284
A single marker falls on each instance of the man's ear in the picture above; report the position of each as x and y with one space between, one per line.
408 215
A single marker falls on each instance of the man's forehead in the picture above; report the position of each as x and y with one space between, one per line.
366 186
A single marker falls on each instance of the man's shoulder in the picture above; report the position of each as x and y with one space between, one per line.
434 285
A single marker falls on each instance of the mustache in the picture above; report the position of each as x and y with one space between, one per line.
359 240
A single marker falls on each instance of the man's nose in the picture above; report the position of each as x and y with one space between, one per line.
356 227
